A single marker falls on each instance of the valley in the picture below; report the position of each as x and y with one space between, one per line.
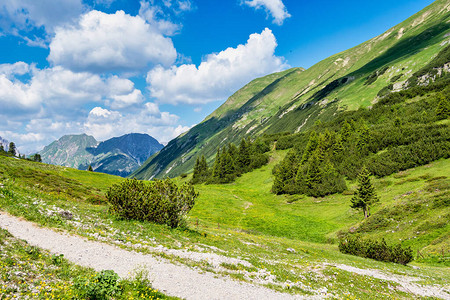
282 242
330 182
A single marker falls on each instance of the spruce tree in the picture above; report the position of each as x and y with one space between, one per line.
12 149
243 157
233 151
201 171
217 172
229 169
2 149
37 158
90 169
310 147
197 172
313 171
365 195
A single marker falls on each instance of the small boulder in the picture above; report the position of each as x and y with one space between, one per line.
291 250
65 214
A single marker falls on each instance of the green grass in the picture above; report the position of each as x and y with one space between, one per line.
245 222
249 205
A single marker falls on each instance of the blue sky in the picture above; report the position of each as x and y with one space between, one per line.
110 67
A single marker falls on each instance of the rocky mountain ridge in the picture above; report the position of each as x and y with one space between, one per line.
117 156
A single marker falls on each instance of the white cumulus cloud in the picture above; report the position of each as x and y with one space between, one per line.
103 123
103 42
219 75
27 14
275 8
58 91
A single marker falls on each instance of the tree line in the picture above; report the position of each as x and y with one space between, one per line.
12 151
231 162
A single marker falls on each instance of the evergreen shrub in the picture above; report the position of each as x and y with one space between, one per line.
158 201
378 250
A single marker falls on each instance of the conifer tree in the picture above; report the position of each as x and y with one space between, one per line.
338 146
197 172
284 174
37 158
201 171
90 169
204 167
233 151
365 194
2 149
313 172
243 157
229 169
310 147
12 149
346 131
217 172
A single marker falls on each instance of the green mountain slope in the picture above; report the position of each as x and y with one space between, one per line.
295 99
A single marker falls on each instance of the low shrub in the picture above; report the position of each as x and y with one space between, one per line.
102 286
158 201
378 250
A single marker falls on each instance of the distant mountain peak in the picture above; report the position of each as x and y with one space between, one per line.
118 155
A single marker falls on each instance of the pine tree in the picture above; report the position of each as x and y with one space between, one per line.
2 149
201 171
243 157
90 168
12 149
37 158
313 172
310 147
197 172
217 172
229 169
365 194
338 146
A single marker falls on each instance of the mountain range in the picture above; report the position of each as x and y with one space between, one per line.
296 99
4 143
117 156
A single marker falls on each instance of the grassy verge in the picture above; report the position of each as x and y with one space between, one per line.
28 272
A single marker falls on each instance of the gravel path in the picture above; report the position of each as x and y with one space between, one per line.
171 279
406 282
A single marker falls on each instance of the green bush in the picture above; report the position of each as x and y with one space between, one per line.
102 286
377 250
159 201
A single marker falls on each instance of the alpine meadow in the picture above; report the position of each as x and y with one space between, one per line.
327 182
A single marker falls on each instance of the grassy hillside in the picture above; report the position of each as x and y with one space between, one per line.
248 230
295 99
